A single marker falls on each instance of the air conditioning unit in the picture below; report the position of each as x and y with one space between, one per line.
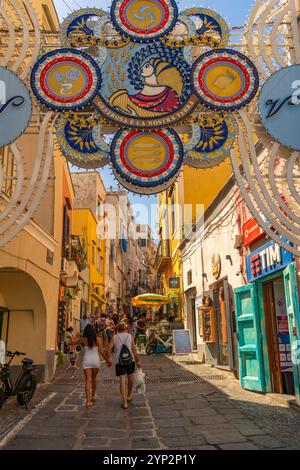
64 266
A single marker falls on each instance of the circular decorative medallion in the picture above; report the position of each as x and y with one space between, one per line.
147 159
65 79
15 107
144 20
144 191
80 144
279 106
225 80
212 144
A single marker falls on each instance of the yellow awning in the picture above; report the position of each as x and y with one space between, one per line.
150 300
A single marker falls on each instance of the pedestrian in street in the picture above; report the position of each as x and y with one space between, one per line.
83 323
93 347
127 360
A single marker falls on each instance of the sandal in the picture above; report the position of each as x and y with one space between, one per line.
94 398
124 407
129 400
88 404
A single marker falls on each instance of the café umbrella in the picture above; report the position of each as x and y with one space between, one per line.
150 300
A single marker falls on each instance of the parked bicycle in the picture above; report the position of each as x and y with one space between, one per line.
25 386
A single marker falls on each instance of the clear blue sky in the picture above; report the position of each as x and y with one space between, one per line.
234 11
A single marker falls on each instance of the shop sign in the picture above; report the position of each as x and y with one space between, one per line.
269 259
252 232
15 107
216 266
174 283
279 106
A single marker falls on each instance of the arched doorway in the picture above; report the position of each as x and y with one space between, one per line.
22 315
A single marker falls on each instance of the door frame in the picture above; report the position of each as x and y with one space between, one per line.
263 327
194 323
4 310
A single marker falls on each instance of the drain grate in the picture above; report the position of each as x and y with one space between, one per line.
149 380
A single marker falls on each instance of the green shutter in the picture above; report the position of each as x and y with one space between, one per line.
249 339
293 311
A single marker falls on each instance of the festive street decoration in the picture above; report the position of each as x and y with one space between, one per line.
143 83
279 106
224 79
210 145
15 107
140 70
147 159
82 143
144 20
266 168
65 79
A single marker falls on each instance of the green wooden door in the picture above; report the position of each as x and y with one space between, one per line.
293 311
249 339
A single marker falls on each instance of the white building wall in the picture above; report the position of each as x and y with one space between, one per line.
218 236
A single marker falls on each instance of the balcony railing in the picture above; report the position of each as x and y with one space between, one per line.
76 251
163 256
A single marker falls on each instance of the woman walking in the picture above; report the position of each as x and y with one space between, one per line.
93 347
126 360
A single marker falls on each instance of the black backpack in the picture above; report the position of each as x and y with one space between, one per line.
125 357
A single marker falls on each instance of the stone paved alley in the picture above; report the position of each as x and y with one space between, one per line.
186 407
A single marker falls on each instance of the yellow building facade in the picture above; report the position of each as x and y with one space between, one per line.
85 226
180 208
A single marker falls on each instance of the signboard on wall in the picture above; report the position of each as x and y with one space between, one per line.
252 232
269 259
182 342
174 283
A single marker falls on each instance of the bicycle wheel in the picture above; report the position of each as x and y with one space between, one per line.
151 348
26 389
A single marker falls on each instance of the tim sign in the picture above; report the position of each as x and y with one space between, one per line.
269 259
252 232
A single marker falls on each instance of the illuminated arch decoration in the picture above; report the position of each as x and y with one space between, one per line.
81 143
143 83
65 79
147 159
144 20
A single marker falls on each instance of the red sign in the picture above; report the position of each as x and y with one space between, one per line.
252 232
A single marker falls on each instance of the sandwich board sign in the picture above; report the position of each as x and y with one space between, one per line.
182 342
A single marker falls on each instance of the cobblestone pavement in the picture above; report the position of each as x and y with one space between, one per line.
185 407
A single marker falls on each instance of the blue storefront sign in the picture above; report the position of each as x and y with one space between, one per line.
279 106
267 260
15 107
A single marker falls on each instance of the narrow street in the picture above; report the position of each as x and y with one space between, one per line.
186 406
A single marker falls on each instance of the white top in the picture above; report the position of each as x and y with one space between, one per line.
119 340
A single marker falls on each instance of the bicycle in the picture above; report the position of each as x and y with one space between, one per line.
25 386
159 343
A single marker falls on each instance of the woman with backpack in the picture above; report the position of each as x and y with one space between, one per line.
126 360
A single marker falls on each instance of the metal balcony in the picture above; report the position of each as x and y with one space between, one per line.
163 257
